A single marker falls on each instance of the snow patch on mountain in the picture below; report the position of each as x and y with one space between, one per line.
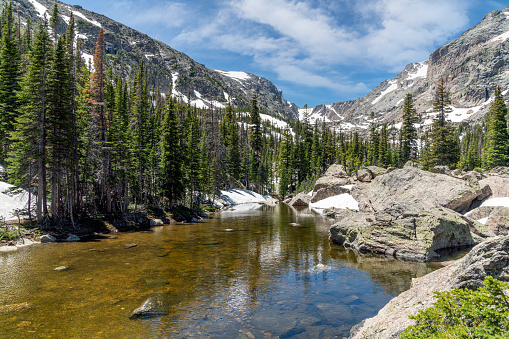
421 72
393 86
274 121
80 15
501 37
236 75
89 60
312 116
41 10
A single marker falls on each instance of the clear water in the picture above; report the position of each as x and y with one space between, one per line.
265 279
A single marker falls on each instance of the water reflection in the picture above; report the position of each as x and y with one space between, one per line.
243 274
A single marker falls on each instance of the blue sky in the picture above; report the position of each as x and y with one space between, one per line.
315 51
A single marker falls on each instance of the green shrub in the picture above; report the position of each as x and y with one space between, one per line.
463 313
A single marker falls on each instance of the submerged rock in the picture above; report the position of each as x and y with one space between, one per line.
407 231
488 258
6 309
154 306
62 268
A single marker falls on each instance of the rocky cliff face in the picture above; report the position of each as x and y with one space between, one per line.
126 48
473 65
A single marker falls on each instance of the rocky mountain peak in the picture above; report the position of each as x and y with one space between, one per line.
126 48
473 65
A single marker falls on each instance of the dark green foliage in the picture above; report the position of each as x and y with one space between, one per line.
10 71
461 313
172 176
443 145
496 146
408 133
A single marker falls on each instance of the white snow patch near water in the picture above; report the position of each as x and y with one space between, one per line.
393 86
10 203
504 202
238 196
40 8
338 201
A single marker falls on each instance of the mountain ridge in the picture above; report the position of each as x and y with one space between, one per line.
473 65
126 47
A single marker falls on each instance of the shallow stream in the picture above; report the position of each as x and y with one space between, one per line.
245 273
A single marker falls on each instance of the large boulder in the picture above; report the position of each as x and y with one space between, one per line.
498 220
488 258
408 231
337 171
412 185
364 175
499 170
329 191
328 181
499 186
301 199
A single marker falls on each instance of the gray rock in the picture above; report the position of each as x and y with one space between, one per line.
364 175
194 220
502 171
480 212
48 238
72 238
62 268
407 231
377 171
442 170
337 171
329 190
328 181
300 199
498 220
411 185
488 258
499 186
154 306
156 222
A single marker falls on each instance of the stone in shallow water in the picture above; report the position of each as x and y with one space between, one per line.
5 309
154 306
126 246
62 268
156 282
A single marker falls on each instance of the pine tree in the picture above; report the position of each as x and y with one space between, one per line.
285 163
496 146
444 146
29 139
384 154
408 133
172 176
10 71
255 138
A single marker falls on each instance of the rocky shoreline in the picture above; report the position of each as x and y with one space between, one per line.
411 214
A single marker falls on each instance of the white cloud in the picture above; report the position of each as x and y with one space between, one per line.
304 44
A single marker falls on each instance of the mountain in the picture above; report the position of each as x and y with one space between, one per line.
126 48
473 65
